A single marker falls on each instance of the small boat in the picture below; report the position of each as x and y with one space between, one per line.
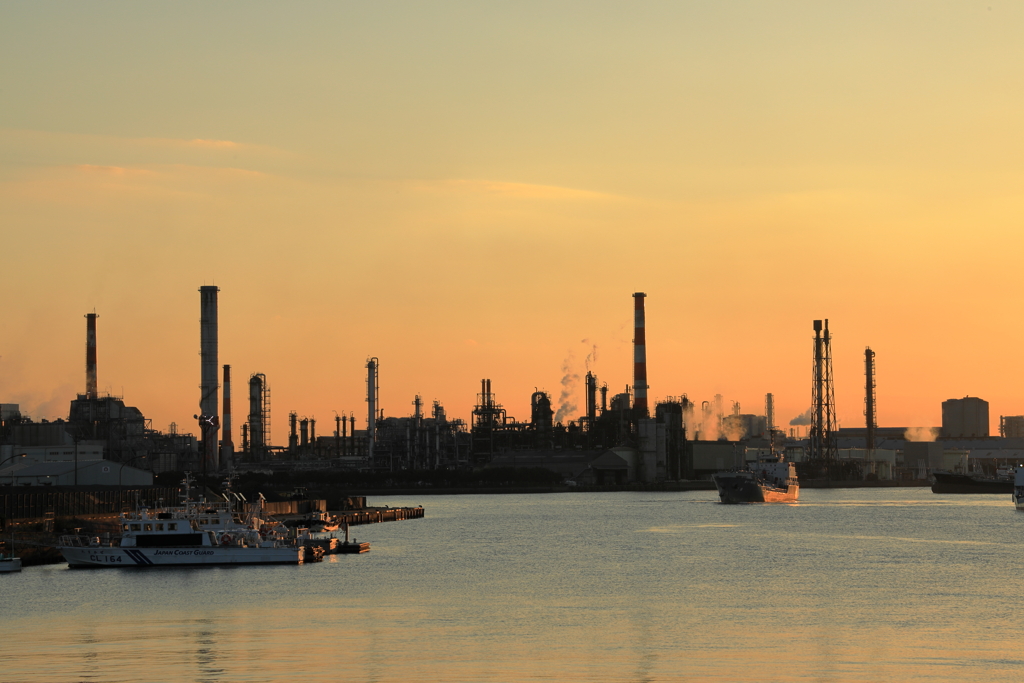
769 481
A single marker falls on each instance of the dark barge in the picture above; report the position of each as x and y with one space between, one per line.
950 482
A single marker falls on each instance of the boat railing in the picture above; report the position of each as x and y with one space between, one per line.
81 541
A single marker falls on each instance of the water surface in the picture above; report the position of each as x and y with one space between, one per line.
846 585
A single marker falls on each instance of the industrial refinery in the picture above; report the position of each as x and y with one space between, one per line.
620 439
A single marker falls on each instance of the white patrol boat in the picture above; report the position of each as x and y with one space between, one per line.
1018 488
196 533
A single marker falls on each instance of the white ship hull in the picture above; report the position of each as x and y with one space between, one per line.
176 557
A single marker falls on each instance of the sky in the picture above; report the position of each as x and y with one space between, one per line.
472 190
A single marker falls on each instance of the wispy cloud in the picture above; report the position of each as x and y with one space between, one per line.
111 170
507 190
213 144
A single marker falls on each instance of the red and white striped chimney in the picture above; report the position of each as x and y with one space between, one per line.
639 356
90 355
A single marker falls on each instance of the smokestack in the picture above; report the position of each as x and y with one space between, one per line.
769 412
304 429
293 434
352 434
208 359
90 355
639 356
337 435
227 446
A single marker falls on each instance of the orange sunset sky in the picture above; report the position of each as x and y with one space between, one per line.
470 190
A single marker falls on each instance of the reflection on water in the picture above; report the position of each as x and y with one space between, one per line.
862 585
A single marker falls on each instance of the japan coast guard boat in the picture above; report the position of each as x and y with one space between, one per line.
190 535
769 481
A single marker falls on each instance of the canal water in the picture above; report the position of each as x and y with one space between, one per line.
846 585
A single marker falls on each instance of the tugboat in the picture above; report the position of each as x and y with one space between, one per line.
772 480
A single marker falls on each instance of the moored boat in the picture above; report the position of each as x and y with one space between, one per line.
177 539
196 532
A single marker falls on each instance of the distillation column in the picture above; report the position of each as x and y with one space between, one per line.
869 396
371 401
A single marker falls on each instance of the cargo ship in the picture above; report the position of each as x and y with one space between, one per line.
951 482
772 481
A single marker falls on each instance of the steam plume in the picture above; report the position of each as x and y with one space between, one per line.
921 434
570 378
801 420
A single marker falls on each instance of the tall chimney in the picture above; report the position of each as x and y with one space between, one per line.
227 446
639 357
208 359
90 355
293 431
352 434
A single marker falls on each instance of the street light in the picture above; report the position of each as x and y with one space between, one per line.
19 455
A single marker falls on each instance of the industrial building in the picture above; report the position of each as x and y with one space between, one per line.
618 439
964 418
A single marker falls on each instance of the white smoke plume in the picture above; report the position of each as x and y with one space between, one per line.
734 429
921 434
567 399
801 420
592 356
711 420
